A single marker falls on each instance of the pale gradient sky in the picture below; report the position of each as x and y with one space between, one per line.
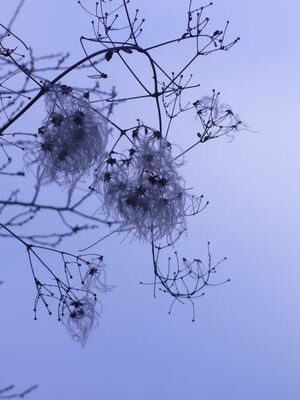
244 344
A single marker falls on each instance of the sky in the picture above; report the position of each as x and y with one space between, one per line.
244 343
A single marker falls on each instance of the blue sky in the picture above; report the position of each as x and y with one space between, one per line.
245 341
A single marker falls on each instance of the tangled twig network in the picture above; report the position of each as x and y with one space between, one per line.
182 279
129 165
72 139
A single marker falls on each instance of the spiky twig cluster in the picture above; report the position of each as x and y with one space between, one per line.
182 279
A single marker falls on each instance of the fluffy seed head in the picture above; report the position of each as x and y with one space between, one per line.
144 190
94 279
80 317
72 139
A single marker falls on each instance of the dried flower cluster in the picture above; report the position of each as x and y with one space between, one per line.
72 139
141 188
135 173
75 289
